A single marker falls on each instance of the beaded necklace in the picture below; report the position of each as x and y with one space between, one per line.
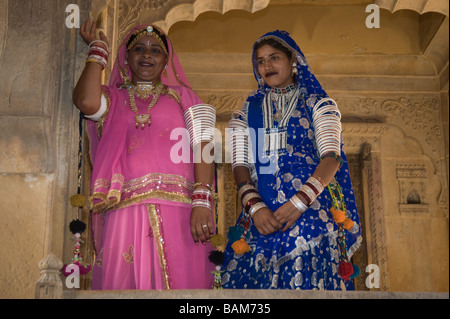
279 98
144 90
284 101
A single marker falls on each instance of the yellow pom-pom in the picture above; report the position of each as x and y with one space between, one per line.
338 215
78 200
240 247
348 224
217 240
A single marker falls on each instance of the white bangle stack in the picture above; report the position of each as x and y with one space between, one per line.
327 126
200 122
298 203
256 207
238 139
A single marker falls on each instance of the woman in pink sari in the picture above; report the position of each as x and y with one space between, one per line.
151 204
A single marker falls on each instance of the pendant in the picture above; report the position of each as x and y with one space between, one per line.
277 117
142 119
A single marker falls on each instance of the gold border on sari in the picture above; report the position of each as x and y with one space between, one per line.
155 223
173 188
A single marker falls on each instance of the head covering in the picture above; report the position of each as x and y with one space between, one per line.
121 74
307 80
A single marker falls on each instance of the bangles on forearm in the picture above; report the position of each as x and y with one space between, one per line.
238 140
312 188
98 54
250 198
202 197
200 121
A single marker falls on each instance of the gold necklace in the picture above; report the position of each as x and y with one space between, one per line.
144 90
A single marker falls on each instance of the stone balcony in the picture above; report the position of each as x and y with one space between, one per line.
250 294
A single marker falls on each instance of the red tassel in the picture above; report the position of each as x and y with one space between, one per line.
83 270
345 270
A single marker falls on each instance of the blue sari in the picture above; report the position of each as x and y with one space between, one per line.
307 255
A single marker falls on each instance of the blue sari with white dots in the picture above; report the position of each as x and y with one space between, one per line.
307 255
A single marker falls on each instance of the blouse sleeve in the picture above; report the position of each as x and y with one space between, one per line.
188 98
104 107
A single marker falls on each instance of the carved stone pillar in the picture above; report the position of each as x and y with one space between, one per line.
49 285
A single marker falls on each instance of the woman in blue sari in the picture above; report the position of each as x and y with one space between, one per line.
299 225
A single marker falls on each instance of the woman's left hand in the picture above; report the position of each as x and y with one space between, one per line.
201 224
287 214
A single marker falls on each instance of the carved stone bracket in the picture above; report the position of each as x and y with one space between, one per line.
420 6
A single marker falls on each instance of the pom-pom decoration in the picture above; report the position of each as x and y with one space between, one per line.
216 257
339 216
217 240
356 272
77 226
345 270
348 224
240 247
235 233
78 201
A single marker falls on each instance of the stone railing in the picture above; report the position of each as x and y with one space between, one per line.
50 286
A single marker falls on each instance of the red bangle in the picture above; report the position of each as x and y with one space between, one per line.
248 192
316 191
252 202
306 197
201 196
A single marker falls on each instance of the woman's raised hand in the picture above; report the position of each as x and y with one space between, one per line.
88 32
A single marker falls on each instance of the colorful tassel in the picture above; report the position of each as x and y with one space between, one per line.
217 278
77 227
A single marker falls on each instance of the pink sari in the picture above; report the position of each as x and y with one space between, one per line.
141 199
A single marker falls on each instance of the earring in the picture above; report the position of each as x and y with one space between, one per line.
165 71
294 68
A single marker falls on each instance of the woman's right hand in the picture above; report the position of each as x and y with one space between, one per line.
88 32
265 222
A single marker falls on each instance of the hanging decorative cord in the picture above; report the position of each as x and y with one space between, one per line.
76 226
217 256
346 270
